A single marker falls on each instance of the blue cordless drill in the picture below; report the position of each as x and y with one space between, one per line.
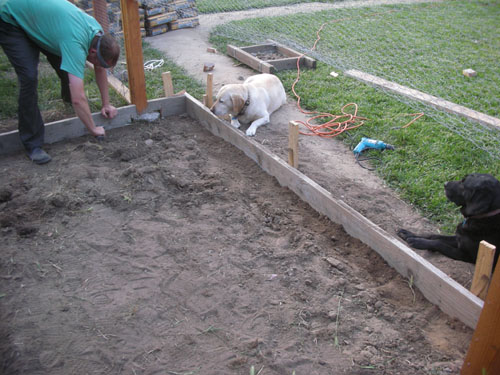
367 143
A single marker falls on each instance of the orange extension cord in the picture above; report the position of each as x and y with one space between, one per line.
338 123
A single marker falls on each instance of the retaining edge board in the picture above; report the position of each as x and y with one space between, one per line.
420 96
441 290
70 128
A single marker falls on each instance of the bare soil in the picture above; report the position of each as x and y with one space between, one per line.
164 250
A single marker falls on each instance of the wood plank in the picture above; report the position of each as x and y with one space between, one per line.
304 60
250 60
71 128
260 48
115 83
245 58
435 285
433 101
483 270
285 51
483 356
133 48
120 88
168 86
284 64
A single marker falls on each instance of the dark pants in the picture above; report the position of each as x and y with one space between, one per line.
23 54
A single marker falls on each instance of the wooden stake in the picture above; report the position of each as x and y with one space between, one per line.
293 144
483 356
168 86
133 49
205 100
483 270
210 85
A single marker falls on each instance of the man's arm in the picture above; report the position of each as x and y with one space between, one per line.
81 105
101 76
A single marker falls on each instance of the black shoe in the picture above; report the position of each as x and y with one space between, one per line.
38 156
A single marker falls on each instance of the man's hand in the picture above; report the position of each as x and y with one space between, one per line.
98 131
108 111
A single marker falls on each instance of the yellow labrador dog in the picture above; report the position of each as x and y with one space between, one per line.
250 102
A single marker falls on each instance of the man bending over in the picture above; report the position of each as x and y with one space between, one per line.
68 37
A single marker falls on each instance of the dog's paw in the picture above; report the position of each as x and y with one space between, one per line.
405 234
251 131
235 123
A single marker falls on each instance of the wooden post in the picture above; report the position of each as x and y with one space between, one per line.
168 87
133 49
483 269
293 144
483 356
210 85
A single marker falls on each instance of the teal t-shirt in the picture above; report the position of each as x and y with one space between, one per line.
57 26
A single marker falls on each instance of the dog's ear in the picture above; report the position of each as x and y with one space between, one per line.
477 203
238 103
478 195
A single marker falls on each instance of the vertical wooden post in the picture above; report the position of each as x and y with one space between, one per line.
483 356
210 89
133 49
168 87
293 144
483 269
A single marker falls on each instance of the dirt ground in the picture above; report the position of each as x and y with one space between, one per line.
164 250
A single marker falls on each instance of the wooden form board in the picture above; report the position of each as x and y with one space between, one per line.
73 127
437 287
246 56
433 101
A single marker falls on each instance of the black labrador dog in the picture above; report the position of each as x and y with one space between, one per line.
478 196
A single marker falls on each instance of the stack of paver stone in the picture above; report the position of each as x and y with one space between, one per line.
161 16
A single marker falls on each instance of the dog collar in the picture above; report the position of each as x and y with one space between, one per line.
245 106
487 214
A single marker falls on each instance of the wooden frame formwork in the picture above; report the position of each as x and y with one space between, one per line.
452 298
290 60
436 286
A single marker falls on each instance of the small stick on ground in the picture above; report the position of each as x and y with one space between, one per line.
410 284
336 338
